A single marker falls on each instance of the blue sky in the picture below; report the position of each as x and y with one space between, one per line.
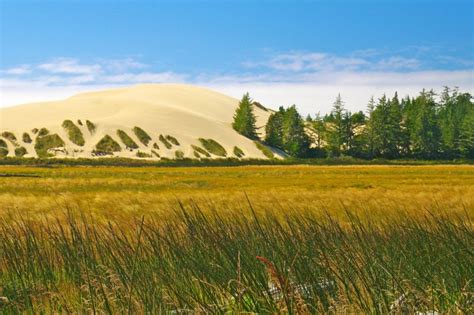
282 52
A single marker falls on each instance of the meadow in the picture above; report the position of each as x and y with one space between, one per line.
265 239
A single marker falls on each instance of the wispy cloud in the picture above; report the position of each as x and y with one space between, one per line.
69 66
20 70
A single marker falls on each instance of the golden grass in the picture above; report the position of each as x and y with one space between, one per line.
120 193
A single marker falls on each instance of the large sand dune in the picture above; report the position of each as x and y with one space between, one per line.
185 112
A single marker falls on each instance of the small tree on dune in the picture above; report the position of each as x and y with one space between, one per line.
244 118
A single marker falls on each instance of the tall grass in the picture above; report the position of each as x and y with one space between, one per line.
201 260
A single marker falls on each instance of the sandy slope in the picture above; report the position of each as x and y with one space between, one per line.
183 111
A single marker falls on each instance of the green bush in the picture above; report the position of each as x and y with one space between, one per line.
179 154
155 146
3 148
142 135
165 142
141 154
196 155
91 126
73 132
79 122
213 147
107 145
155 153
19 152
10 136
129 143
265 150
43 132
172 139
238 152
26 138
34 130
43 144
199 151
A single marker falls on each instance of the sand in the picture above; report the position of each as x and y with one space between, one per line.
183 111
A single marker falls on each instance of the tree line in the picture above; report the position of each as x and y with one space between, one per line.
427 126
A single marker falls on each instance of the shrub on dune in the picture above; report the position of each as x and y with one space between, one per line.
20 152
238 152
73 132
107 145
90 126
26 138
142 135
43 132
3 148
213 147
179 154
165 142
129 143
141 154
172 139
200 151
43 144
265 150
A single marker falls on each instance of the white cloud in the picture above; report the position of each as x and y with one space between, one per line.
69 66
20 70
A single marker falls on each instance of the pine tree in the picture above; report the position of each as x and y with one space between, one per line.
369 132
273 129
336 134
295 140
244 118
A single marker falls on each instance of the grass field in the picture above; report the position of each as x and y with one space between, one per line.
261 239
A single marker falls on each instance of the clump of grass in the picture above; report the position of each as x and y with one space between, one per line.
26 138
34 130
43 132
172 139
20 152
129 143
142 135
91 127
3 148
196 155
265 150
155 146
165 142
179 154
200 151
238 152
45 143
141 154
79 122
107 145
155 153
73 132
213 147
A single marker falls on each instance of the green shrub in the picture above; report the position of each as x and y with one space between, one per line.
172 139
34 130
107 145
90 126
79 122
19 152
141 154
200 150
155 146
179 154
165 142
265 150
10 136
155 153
3 148
129 143
43 132
213 147
142 135
26 138
43 144
73 132
238 152
196 155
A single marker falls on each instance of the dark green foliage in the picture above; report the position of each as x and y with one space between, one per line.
129 143
179 154
90 126
244 118
26 138
107 145
142 135
172 140
155 153
274 129
21 151
141 154
165 142
79 122
10 136
238 152
73 132
200 150
44 143
3 148
196 155
155 146
43 132
265 150
213 147
34 130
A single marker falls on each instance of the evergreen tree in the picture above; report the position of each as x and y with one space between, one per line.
466 131
319 130
337 131
295 140
244 118
369 131
274 129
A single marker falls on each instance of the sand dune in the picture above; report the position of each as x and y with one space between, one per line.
184 112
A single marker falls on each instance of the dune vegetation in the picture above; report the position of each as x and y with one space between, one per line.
43 132
296 239
47 142
265 150
3 148
238 152
91 126
107 145
73 132
200 151
142 135
213 147
20 151
165 142
26 138
129 143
